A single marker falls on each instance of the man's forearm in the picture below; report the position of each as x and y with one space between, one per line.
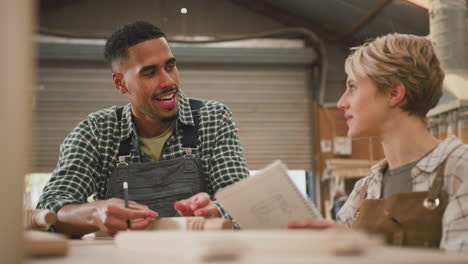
76 220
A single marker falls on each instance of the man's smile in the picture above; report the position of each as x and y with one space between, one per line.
167 100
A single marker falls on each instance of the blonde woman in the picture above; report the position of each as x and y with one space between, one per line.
418 195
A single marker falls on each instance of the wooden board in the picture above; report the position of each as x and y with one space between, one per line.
183 224
40 244
312 250
39 219
189 224
229 245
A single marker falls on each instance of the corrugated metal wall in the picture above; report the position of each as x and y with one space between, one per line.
271 104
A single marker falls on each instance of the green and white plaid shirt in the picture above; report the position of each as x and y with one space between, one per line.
88 154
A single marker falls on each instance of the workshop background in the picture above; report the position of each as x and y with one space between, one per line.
278 65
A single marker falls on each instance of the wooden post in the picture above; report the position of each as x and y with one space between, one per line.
371 149
16 71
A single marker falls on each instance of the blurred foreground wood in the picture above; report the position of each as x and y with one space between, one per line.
40 244
190 224
276 246
39 219
245 247
231 245
183 224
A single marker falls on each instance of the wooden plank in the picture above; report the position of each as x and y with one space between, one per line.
228 245
99 251
350 163
39 219
182 224
352 173
190 224
41 244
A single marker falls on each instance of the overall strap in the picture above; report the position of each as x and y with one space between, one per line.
190 133
124 148
189 136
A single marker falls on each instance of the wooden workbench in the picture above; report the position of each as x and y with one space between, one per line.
243 247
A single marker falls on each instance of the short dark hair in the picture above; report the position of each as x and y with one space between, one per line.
129 35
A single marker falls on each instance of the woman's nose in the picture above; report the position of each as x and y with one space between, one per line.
342 103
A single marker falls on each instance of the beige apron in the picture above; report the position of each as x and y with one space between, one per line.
407 218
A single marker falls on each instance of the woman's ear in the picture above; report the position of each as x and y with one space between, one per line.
396 95
119 83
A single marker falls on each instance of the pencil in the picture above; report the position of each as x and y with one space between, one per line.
125 188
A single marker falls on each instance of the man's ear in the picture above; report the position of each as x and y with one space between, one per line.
396 95
119 83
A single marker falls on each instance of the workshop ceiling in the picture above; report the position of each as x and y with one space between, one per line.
345 21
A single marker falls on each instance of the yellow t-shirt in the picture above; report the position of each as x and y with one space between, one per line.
153 146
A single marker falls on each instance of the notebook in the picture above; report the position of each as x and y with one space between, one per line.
267 200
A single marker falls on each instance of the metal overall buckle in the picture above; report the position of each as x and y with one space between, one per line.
122 162
188 151
431 203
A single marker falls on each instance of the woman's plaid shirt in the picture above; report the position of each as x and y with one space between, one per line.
455 218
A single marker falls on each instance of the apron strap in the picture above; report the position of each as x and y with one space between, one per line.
432 200
124 147
190 133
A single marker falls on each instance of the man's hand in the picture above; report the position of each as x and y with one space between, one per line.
314 223
198 205
111 215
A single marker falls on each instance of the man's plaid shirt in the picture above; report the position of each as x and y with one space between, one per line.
88 154
455 218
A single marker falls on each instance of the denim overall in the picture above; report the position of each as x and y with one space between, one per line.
160 184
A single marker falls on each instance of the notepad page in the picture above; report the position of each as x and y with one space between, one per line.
267 200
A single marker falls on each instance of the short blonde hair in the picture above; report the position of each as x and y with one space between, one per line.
401 58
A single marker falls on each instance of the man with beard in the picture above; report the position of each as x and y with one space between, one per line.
170 152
